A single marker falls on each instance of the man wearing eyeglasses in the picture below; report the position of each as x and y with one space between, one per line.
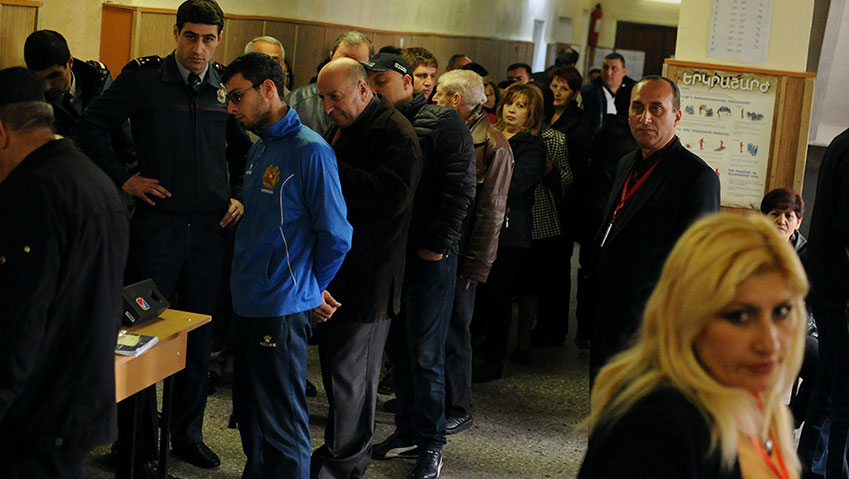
187 147
289 246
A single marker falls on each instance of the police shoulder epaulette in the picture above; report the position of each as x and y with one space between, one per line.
218 67
151 61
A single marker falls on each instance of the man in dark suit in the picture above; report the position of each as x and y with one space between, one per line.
599 94
658 191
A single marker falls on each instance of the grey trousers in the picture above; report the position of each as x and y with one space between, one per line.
350 353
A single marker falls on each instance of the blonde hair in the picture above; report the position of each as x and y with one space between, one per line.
533 96
699 279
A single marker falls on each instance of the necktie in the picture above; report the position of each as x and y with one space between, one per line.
69 104
194 81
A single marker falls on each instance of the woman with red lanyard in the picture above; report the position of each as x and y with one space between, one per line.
699 394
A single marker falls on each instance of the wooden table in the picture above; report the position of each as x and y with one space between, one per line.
159 363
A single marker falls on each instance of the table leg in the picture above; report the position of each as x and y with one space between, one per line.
164 439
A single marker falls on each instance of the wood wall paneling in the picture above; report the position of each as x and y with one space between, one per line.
330 35
116 34
309 52
383 39
18 22
237 34
308 43
156 34
285 32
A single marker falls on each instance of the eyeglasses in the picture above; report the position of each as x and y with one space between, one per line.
236 96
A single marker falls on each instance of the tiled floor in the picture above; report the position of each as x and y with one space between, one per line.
525 426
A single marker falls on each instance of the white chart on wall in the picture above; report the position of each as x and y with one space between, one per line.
727 121
739 30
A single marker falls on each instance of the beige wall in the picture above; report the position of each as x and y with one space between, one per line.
789 35
79 20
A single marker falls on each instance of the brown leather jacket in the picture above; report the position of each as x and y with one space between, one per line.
494 164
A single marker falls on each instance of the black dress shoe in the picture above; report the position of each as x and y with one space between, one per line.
428 465
199 455
311 390
390 406
453 425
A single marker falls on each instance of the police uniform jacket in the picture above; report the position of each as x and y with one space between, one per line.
179 135
62 255
380 163
447 186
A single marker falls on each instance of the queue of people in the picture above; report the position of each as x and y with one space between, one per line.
380 208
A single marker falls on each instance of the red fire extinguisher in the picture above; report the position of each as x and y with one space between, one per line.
595 16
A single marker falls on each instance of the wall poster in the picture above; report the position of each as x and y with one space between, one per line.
727 121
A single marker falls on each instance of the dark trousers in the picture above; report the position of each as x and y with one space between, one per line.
547 272
184 255
494 304
418 352
27 459
827 418
350 354
458 352
269 398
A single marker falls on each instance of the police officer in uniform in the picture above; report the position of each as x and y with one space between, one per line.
71 85
185 141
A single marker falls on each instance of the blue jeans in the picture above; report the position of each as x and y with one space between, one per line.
269 396
418 349
827 418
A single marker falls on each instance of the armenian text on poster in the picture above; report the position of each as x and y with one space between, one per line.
727 121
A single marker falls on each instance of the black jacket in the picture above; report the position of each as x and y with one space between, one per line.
623 272
447 185
183 138
529 166
594 101
827 261
64 246
662 436
610 144
92 78
574 124
380 163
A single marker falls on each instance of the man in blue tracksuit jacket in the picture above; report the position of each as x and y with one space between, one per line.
289 245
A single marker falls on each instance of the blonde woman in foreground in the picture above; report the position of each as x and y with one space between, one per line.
699 393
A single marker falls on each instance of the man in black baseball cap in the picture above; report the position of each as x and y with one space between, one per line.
417 338
60 305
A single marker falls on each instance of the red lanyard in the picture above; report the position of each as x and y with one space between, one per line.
626 195
780 473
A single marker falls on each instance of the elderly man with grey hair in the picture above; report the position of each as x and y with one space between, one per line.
273 48
463 90
305 100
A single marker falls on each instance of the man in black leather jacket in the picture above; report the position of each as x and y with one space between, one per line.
417 338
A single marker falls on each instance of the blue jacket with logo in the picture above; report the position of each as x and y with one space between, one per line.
294 234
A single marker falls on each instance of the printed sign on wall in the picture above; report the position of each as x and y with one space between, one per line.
727 121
